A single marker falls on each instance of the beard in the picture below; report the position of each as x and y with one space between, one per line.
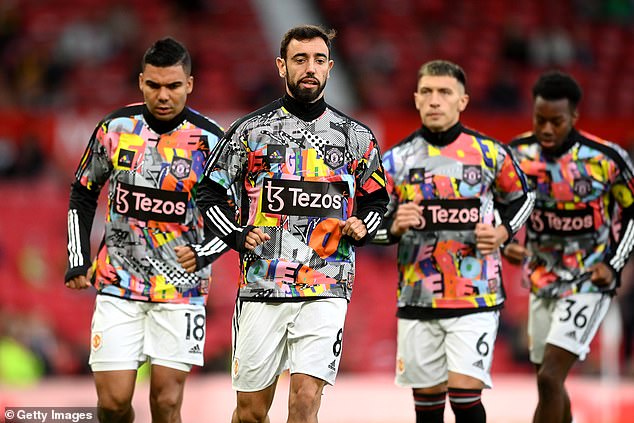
305 95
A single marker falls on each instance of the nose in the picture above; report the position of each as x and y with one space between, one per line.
163 94
434 99
547 128
310 66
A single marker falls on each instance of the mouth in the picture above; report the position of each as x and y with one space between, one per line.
309 83
163 110
547 142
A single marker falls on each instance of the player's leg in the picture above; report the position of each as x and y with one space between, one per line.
259 356
117 336
175 339
574 323
304 398
315 341
253 407
167 386
114 395
470 342
421 364
553 403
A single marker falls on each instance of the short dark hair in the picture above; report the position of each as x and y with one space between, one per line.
443 68
557 85
306 32
167 52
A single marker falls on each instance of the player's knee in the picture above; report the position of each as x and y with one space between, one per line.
115 402
165 401
547 381
305 402
250 415
115 410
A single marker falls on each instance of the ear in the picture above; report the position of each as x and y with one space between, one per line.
190 84
574 115
462 104
416 101
281 66
141 81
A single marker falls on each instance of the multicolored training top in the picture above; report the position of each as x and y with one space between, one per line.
152 169
298 171
579 191
460 178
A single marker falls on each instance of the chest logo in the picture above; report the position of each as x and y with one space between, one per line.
417 175
333 156
276 153
180 167
472 175
126 157
582 187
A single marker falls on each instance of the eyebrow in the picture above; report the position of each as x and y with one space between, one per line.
306 55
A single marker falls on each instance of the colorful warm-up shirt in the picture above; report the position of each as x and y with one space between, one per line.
152 169
298 170
577 192
460 178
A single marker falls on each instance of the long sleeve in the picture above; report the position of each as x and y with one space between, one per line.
514 200
81 213
215 205
372 196
623 192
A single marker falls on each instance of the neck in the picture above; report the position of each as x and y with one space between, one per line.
304 111
445 137
163 126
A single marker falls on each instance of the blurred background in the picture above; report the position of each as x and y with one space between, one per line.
64 64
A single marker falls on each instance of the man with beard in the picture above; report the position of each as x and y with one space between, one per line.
571 259
309 187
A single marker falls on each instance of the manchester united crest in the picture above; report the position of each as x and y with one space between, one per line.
333 156
582 187
471 174
181 167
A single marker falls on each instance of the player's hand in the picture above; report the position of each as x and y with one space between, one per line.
601 275
407 215
186 257
81 281
353 227
254 238
489 238
515 253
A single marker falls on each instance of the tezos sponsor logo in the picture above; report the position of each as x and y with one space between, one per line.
150 204
304 198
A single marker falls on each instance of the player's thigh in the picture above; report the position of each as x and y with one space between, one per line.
470 343
259 343
315 338
540 311
115 388
576 320
175 335
117 334
420 354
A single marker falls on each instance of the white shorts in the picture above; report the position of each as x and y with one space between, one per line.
268 338
428 349
569 323
125 333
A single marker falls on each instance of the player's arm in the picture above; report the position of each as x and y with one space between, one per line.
193 257
622 191
514 199
92 172
371 199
